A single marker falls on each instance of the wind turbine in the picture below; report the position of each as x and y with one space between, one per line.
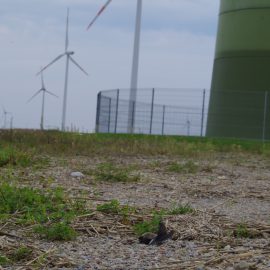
68 54
135 61
6 113
42 90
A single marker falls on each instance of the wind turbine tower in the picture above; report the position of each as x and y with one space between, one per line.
68 54
135 61
42 90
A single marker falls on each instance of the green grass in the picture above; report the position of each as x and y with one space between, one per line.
180 210
4 260
148 226
21 253
112 173
186 167
114 207
242 231
34 207
54 142
11 156
59 231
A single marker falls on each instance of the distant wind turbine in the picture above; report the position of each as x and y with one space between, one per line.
42 90
5 113
68 58
135 62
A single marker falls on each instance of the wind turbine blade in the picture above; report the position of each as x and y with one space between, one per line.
52 94
56 59
34 95
98 14
75 63
42 80
67 41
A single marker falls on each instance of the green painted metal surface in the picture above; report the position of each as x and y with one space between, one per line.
241 72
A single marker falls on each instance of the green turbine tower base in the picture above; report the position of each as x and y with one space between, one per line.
239 105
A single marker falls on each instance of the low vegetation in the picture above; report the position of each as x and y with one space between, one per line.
186 167
103 144
51 212
112 173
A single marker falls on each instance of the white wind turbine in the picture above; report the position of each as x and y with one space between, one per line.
68 54
135 62
42 90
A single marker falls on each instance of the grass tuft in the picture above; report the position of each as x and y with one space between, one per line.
148 226
111 173
180 210
59 231
187 167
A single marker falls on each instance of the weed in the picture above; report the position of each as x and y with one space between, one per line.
148 226
180 210
10 156
33 207
21 253
60 231
113 207
187 167
4 260
111 173
241 231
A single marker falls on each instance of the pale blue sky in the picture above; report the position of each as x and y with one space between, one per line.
177 49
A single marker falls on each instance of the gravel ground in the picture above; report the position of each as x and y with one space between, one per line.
225 189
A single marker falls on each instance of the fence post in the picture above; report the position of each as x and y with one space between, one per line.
98 111
152 110
265 114
203 106
116 111
163 119
109 120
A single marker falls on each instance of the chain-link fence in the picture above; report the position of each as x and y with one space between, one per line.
156 111
190 112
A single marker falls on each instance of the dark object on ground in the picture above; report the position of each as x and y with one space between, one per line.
162 235
147 237
156 239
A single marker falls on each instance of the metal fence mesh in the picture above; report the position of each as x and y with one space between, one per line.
185 112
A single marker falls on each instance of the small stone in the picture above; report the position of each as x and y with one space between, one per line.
242 266
77 174
227 248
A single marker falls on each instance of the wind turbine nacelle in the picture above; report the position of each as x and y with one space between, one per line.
70 53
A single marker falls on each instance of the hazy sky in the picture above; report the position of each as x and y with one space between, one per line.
177 49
